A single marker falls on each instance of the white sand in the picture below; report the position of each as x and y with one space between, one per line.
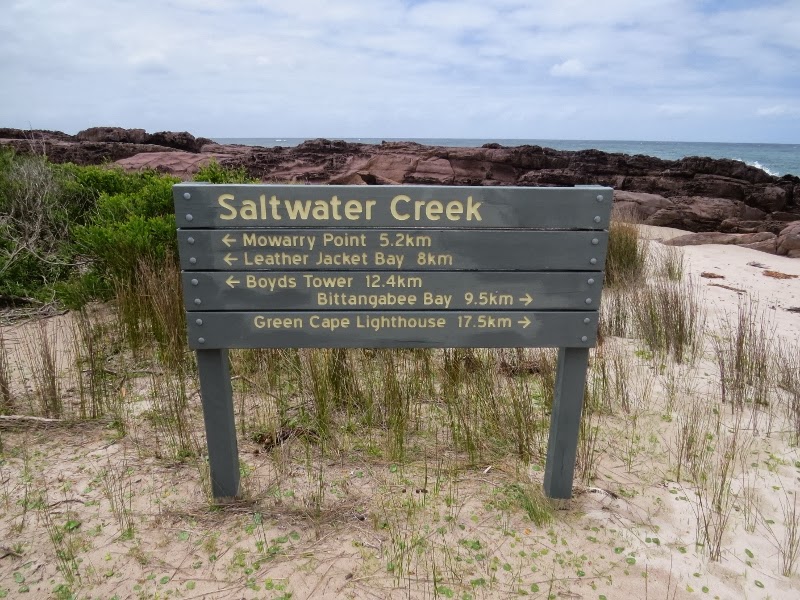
631 534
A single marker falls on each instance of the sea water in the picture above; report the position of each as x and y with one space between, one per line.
775 159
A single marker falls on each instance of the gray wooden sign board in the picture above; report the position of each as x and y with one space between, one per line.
379 329
391 266
200 206
440 250
378 290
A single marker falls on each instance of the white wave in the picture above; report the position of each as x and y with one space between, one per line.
758 165
766 170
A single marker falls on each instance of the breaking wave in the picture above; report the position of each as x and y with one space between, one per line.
758 165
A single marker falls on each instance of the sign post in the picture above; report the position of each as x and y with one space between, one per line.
279 266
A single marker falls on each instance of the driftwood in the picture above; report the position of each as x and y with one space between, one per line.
15 421
28 421
8 300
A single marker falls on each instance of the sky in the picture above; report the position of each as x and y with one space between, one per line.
674 70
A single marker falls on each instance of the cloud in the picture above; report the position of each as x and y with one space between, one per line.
571 67
778 110
405 68
678 110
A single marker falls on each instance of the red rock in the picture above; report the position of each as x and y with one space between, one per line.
789 240
703 214
769 246
432 171
715 237
716 186
113 134
695 193
769 198
180 140
640 204
180 164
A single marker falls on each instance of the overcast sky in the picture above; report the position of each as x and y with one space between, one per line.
690 70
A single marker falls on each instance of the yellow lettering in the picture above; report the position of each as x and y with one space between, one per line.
335 202
249 210
352 210
393 207
320 211
454 210
472 210
418 209
297 209
261 322
274 203
222 201
433 209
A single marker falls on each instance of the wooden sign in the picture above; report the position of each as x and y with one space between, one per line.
281 266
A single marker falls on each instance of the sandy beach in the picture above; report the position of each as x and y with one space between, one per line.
436 526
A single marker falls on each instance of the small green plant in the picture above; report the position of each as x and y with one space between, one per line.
669 263
170 417
115 481
715 500
527 497
39 351
64 544
790 548
626 261
746 355
669 318
788 545
90 356
617 312
6 401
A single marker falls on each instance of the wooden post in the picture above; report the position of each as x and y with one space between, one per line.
565 421
217 398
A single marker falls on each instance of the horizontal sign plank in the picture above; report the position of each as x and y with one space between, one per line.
200 205
379 290
380 329
443 250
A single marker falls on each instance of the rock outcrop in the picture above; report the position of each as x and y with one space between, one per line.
788 242
695 193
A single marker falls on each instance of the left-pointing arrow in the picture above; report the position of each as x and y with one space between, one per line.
231 281
230 259
228 240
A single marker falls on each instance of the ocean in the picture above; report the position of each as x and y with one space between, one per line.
775 159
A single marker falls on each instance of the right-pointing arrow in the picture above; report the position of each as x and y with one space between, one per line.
524 322
527 299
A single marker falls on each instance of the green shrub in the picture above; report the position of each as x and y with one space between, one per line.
118 246
133 225
85 185
34 226
213 172
57 219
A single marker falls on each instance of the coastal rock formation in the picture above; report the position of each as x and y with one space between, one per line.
766 242
788 242
784 243
697 194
